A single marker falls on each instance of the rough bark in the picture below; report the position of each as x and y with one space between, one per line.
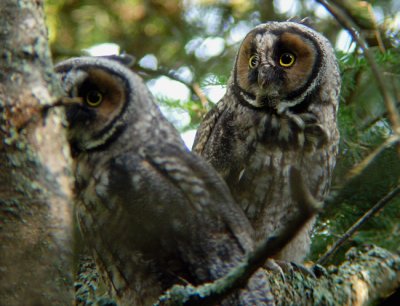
368 276
35 206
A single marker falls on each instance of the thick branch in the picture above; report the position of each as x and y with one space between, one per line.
366 277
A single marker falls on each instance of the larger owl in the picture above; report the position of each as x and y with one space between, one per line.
153 213
279 112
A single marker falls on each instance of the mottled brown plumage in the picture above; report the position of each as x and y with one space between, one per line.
153 213
279 111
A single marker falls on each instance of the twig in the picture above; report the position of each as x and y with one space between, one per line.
373 121
193 87
64 101
359 168
335 197
367 216
41 111
237 278
357 81
157 72
349 24
199 92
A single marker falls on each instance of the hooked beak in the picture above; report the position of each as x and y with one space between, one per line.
269 82
265 76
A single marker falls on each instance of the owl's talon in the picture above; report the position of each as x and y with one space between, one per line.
288 268
273 266
305 271
319 270
105 302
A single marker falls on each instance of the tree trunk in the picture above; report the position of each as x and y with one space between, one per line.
35 184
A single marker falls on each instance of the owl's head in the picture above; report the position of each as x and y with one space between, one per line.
279 64
106 95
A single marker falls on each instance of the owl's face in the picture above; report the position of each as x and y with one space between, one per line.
102 94
278 64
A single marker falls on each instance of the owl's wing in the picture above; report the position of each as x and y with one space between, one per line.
219 140
206 127
182 211
179 208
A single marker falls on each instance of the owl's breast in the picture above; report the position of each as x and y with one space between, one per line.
263 187
291 131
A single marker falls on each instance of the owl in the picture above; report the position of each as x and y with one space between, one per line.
153 213
279 111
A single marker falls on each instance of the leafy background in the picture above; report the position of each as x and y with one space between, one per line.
185 51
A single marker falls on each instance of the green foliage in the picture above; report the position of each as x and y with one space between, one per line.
356 197
193 109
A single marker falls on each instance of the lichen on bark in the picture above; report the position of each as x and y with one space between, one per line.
35 206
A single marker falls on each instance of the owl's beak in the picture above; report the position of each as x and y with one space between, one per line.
265 76
268 83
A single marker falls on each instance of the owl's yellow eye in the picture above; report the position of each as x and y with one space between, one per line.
253 61
287 59
94 98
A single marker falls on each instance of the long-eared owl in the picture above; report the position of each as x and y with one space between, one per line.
279 112
153 213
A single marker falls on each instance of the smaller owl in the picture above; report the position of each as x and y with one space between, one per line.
153 213
279 112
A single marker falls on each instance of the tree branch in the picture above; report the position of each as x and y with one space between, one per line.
360 167
194 88
366 277
367 216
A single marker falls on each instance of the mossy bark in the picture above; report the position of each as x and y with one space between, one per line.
367 277
35 185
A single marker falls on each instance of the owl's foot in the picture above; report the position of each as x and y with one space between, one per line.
105 302
288 268
319 270
305 271
273 266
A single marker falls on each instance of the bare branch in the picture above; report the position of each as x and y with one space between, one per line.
199 92
367 216
378 118
360 167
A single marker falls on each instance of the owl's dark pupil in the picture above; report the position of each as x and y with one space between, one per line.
94 98
287 58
